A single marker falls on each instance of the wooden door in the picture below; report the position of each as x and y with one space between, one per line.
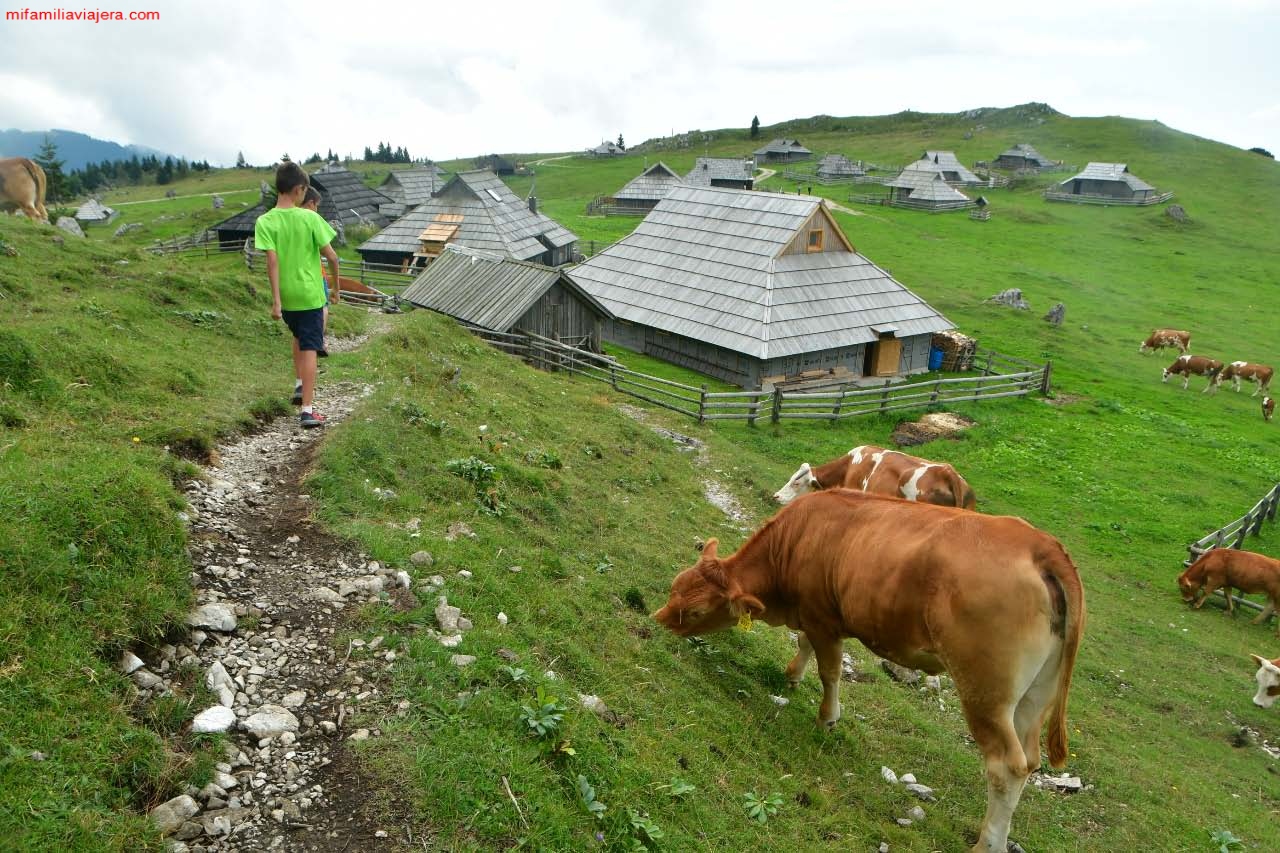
887 352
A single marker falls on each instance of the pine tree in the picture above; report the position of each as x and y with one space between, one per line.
329 158
164 174
620 143
755 127
368 154
241 163
55 181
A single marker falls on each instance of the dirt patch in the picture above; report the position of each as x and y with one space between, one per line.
1064 399
929 427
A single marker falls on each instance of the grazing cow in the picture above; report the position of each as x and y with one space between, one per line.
1268 408
1167 338
1185 365
885 472
1237 370
1225 568
22 187
1268 681
990 599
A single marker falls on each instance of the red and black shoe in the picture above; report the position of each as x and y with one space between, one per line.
310 420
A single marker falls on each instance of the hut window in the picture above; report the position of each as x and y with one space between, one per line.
815 240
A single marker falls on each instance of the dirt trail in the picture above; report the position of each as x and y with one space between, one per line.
293 784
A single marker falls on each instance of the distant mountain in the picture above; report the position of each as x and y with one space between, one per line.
74 149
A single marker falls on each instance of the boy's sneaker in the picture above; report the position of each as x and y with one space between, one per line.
322 352
297 396
311 419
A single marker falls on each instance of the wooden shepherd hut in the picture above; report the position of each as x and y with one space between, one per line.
607 149
408 188
477 210
651 186
94 212
837 166
1023 156
782 151
729 172
493 292
496 163
753 288
345 198
948 165
1106 183
925 189
232 232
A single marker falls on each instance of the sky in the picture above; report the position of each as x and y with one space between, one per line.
209 80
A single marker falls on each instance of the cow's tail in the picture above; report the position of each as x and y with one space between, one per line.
1062 571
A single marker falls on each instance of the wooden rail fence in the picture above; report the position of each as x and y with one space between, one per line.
776 404
1084 198
1233 534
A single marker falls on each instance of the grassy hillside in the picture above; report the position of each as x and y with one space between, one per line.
599 513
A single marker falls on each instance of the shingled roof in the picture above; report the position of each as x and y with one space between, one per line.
486 289
778 147
838 166
95 211
926 185
652 184
1110 172
1023 151
711 264
493 219
242 222
708 169
946 163
345 198
413 186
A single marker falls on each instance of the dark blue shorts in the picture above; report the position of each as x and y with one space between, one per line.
307 326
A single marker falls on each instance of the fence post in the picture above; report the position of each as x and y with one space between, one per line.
835 411
937 389
777 404
987 370
1048 371
884 396
702 406
753 409
613 376
1243 531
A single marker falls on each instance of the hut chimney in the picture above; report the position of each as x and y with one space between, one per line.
533 204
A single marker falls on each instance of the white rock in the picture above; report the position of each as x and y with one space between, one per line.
170 815
889 775
462 660
780 701
884 847
129 662
464 624
464 573
374 566
502 618
225 781
219 718
447 616
146 680
904 821
933 682
403 579
359 734
217 616
369 584
294 699
293 540
916 813
908 779
421 558
924 792
324 594
451 641
271 720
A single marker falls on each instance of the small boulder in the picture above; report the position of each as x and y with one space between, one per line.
422 558
271 721
462 660
66 223
215 616
129 662
219 718
169 816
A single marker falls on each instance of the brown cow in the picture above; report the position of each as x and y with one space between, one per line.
1237 370
1268 678
990 599
885 472
1268 408
1167 338
1225 568
1185 365
22 187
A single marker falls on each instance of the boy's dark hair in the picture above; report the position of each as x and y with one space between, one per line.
289 176
312 196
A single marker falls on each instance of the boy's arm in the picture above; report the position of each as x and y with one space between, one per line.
331 257
273 276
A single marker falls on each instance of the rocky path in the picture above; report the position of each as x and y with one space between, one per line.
286 677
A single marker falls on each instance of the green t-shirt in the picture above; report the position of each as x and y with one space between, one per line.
296 236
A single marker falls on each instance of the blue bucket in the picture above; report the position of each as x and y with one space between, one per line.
935 358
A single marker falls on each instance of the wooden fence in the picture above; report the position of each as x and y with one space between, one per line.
1084 198
1234 533
835 403
908 204
815 178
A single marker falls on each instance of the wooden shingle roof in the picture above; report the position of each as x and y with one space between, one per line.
1024 151
782 146
926 185
709 264
947 163
413 186
493 219
1111 172
652 184
486 289
345 198
707 169
94 211
838 166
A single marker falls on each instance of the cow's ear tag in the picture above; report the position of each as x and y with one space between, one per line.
744 621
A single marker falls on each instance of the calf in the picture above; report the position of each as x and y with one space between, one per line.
1166 338
1225 568
1185 365
886 472
990 599
1268 408
1237 370
1268 681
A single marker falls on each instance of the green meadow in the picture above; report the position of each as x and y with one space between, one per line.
598 513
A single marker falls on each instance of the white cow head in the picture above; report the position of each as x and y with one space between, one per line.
1268 682
801 481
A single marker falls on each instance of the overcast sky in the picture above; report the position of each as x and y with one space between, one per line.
457 79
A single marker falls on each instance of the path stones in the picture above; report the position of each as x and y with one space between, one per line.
220 683
169 816
216 616
219 718
421 558
271 721
129 663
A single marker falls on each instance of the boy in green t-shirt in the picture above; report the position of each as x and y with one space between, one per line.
291 237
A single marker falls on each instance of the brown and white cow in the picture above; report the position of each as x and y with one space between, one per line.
886 472
1268 408
22 187
1185 365
1166 338
1268 677
1227 568
1237 370
990 599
